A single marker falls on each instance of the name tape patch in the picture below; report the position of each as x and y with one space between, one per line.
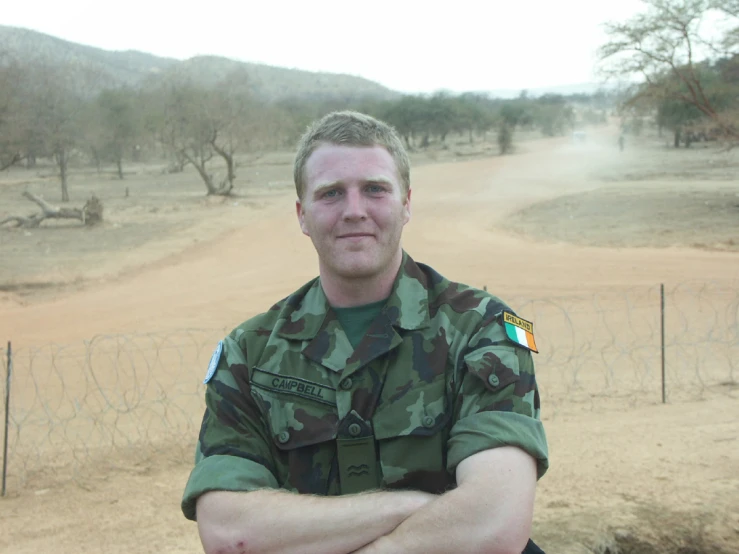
286 384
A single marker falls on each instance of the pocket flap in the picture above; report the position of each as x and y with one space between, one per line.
497 366
420 412
296 420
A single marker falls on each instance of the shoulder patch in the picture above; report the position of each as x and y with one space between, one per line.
519 330
214 359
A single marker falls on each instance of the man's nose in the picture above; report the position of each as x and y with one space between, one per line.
354 207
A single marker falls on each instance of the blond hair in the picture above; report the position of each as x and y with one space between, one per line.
350 128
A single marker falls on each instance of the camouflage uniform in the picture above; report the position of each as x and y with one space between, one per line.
435 379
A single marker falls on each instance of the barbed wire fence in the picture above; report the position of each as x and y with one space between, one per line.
113 401
118 401
607 349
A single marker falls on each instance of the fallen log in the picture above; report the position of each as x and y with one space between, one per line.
90 214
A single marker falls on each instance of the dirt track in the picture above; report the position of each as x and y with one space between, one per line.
608 467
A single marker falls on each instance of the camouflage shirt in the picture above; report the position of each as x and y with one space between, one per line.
435 380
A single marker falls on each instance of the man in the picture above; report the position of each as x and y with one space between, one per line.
379 408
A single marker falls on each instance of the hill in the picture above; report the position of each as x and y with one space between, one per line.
139 69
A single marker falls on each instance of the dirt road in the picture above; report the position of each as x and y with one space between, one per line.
643 470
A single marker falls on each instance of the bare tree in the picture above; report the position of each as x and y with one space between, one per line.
12 121
187 131
112 127
54 100
199 125
668 47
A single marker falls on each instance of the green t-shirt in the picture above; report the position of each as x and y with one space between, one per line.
357 319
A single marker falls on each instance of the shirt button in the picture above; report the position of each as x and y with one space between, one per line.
347 383
428 421
283 437
493 380
354 429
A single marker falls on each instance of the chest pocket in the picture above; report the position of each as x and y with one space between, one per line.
303 423
411 428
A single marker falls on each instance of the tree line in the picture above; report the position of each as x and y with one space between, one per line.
685 74
46 114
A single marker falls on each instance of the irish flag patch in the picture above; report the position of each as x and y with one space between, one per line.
519 331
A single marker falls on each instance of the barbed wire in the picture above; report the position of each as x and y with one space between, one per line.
606 349
117 400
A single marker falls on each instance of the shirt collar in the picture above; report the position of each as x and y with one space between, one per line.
307 310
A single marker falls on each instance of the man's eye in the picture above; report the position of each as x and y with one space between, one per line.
375 189
330 193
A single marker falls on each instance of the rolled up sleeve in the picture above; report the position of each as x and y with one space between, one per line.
234 452
224 473
497 405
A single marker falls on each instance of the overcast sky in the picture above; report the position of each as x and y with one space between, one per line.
407 45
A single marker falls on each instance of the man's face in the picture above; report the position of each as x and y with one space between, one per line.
353 209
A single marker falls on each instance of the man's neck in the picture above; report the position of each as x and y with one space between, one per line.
347 293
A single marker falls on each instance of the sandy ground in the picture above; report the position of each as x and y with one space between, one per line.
555 220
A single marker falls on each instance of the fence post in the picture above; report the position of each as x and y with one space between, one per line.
7 414
662 338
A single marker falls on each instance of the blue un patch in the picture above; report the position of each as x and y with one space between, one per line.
214 359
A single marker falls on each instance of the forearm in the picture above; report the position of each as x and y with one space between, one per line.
452 523
268 521
489 512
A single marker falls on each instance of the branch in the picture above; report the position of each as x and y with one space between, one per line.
202 171
222 152
48 209
704 101
90 214
15 158
20 220
729 7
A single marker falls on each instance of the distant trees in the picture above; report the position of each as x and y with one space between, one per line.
198 124
54 107
41 110
47 112
505 138
115 127
408 115
421 119
76 117
676 115
554 115
11 120
689 74
512 114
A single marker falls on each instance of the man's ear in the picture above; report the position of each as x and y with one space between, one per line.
407 207
301 217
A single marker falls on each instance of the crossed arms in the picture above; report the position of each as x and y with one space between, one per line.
489 512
